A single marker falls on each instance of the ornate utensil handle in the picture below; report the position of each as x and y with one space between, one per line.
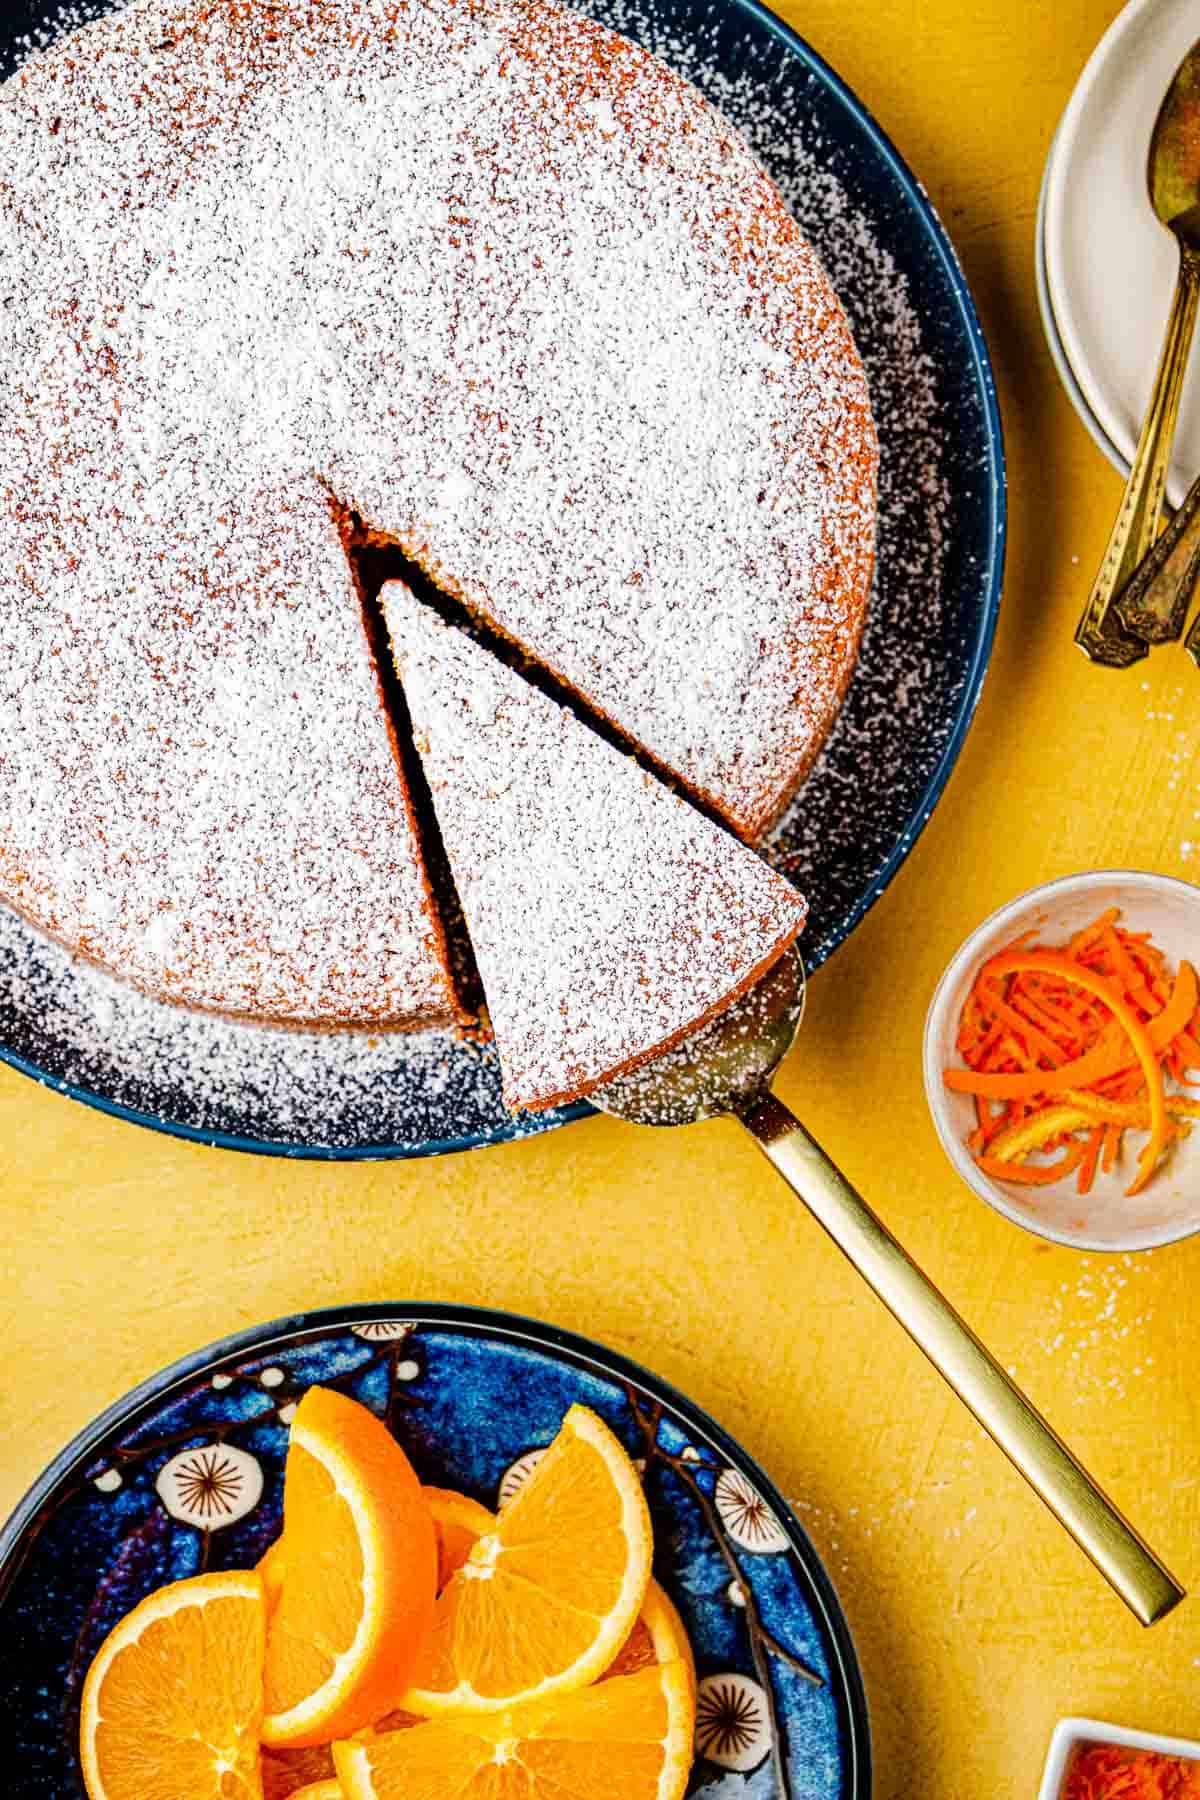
1101 634
1154 603
1037 1451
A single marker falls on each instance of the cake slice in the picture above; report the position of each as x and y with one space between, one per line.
609 918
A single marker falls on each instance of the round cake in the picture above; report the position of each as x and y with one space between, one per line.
490 284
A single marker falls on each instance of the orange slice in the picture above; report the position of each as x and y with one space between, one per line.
172 1703
359 1576
658 1637
457 1522
545 1601
629 1739
320 1790
460 1522
271 1567
287 1773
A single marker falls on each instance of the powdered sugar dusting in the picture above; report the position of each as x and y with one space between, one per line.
197 782
892 731
507 289
345 1090
608 916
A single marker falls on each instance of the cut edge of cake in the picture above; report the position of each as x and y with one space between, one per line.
752 823
564 849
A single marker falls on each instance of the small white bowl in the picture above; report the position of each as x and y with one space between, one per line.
1106 1219
1070 1732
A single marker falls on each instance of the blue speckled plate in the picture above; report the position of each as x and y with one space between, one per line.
941 544
186 1473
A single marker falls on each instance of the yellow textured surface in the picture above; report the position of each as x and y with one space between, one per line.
977 1621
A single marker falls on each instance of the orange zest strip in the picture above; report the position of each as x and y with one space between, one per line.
1053 962
1025 1028
1039 1132
1131 978
1092 934
1097 1065
1091 1157
1112 1143
1069 1049
1133 1112
1030 1174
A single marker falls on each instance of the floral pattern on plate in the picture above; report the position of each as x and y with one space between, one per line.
187 1475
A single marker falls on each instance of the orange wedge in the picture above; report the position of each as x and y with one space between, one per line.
457 1522
172 1703
658 1637
287 1773
545 1601
629 1739
359 1576
320 1790
271 1567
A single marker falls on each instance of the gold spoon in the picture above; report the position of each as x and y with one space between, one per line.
1173 176
1157 596
727 1069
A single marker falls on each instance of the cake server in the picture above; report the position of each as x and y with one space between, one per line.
727 1069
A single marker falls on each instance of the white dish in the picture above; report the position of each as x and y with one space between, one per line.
1110 266
1058 355
1107 1218
1070 1732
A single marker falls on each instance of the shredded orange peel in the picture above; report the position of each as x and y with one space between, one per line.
1078 1040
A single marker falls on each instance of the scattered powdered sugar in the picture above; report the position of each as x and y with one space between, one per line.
608 916
197 782
1179 750
1096 1325
349 1089
44 25
216 1077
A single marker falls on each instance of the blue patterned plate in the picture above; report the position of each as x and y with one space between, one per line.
186 1474
937 589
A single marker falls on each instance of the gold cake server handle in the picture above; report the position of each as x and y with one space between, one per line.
1037 1451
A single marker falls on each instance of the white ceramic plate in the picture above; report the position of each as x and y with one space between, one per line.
1070 1732
1107 1218
1110 266
1058 355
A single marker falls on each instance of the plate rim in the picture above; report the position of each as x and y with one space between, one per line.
1054 343
1092 400
480 1321
991 587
